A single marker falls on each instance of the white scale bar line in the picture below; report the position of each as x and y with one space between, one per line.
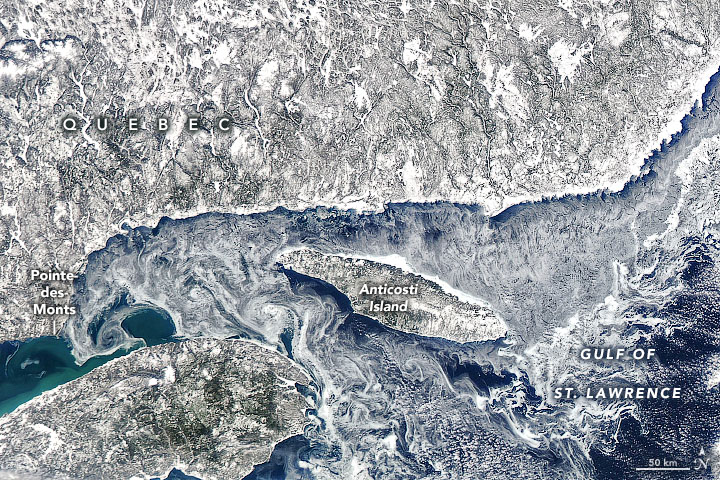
657 469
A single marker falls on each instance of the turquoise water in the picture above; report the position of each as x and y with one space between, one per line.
153 326
39 364
176 474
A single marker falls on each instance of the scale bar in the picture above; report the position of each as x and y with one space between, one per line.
665 469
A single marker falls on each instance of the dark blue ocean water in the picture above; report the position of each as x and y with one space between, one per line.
676 430
460 363
284 461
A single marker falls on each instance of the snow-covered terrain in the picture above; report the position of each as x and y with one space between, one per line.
429 310
213 408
